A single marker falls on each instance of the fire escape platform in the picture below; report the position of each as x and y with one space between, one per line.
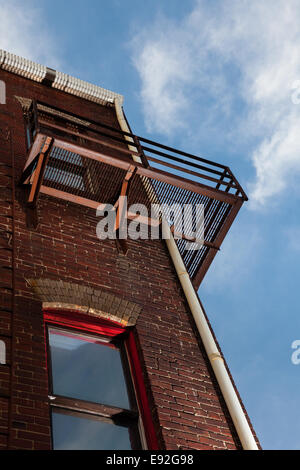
92 164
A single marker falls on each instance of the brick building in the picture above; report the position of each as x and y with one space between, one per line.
104 343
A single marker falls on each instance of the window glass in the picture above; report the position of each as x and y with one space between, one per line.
81 433
60 176
65 168
86 368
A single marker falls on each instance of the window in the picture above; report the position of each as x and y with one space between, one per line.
92 396
65 167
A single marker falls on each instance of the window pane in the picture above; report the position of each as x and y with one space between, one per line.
60 176
76 433
62 167
85 368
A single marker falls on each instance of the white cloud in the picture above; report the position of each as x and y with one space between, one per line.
24 31
240 60
157 89
277 160
164 70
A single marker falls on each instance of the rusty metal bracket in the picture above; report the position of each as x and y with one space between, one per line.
120 204
39 172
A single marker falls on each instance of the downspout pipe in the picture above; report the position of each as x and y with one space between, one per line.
216 360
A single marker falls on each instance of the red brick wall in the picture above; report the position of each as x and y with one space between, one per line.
188 410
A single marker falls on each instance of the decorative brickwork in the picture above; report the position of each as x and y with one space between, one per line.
69 296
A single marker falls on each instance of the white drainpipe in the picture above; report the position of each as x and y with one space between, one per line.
234 406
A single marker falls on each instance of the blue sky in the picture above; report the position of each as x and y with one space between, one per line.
215 79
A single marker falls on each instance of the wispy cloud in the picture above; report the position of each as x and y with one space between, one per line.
24 31
292 235
238 60
165 68
236 256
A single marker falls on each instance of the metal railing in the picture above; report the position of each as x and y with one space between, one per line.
87 162
154 155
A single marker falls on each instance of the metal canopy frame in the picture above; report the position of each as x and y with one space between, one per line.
69 156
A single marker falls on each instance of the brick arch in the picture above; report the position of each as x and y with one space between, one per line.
84 299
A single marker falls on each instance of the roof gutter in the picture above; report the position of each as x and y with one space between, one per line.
54 79
216 360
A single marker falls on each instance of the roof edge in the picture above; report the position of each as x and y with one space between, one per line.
61 81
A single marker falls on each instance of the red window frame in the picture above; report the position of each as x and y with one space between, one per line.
108 328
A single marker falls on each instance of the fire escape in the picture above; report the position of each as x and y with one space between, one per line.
90 163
